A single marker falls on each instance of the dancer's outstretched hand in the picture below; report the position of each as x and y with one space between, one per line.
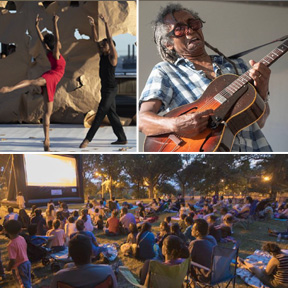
38 19
55 18
5 89
102 18
91 20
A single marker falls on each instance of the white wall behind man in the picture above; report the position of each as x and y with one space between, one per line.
232 28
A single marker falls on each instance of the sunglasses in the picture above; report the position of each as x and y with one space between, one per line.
181 29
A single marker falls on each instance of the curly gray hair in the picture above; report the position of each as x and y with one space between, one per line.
161 29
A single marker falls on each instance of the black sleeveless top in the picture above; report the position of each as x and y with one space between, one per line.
107 73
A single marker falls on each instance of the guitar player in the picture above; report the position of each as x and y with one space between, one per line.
185 74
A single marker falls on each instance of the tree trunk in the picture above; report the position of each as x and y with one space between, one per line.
150 191
110 190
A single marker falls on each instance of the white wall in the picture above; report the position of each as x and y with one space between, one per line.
232 28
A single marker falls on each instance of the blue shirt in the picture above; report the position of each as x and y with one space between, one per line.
180 83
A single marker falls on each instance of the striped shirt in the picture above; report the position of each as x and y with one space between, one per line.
281 275
180 83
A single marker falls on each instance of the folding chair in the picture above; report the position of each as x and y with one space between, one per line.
221 269
160 275
107 283
248 217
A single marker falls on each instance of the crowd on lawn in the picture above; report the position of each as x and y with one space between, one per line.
194 232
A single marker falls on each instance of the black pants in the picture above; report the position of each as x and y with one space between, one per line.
107 106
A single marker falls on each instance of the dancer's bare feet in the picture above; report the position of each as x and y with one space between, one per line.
46 146
5 89
84 143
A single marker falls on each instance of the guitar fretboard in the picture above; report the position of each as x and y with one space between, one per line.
245 78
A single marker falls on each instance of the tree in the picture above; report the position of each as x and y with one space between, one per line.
133 166
275 166
108 166
158 168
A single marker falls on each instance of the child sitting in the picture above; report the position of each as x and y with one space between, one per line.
17 251
70 227
100 223
113 224
58 241
168 220
181 223
128 247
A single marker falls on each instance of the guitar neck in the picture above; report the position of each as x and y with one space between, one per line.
268 60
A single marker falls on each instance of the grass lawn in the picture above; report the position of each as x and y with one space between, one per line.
251 240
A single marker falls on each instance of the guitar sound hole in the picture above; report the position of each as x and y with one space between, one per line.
194 108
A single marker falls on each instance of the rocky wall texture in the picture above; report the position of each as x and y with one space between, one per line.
79 90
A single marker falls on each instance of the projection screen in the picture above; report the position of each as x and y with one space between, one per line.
50 170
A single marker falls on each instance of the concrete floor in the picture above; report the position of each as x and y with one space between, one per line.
63 138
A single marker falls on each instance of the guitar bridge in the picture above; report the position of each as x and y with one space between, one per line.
175 139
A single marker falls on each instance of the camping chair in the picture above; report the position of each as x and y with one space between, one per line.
221 269
107 283
160 275
249 217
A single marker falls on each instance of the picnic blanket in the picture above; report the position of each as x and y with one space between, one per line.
258 258
279 219
62 256
111 253
140 220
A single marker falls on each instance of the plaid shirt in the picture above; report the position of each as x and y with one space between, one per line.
180 83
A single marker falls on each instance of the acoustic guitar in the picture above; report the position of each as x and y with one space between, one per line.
236 106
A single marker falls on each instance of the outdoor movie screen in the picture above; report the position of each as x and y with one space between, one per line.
50 170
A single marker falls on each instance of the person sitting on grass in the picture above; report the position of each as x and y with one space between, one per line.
59 238
24 218
129 246
126 219
182 222
84 273
50 213
70 227
174 251
133 231
164 232
213 230
275 274
113 224
145 241
87 220
17 252
96 250
40 221
11 215
187 233
100 223
168 220
141 210
175 230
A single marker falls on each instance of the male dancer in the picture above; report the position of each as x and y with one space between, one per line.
107 105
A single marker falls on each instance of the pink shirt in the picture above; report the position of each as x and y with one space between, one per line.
17 250
59 237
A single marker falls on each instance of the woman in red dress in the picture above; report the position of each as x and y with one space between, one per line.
49 79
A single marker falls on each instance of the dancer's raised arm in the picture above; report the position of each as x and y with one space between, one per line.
93 28
38 19
113 56
57 44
